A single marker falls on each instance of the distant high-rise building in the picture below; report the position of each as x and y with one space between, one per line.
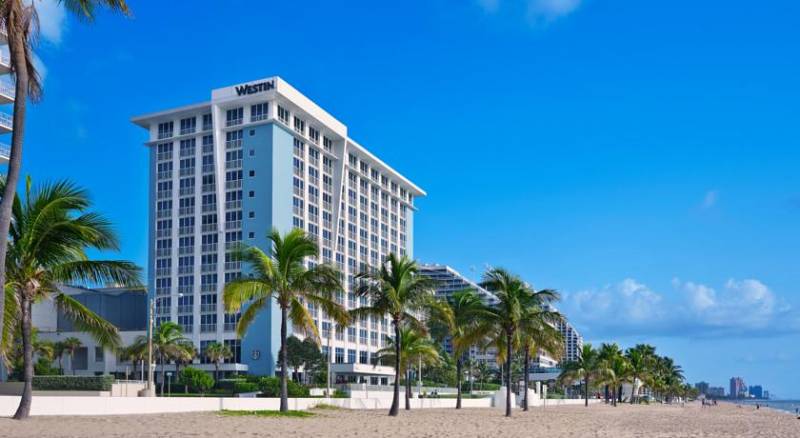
766 394
737 388
702 387
450 281
715 391
756 391
573 342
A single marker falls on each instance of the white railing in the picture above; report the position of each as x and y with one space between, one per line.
8 90
6 121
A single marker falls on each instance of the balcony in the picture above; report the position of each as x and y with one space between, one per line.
5 153
5 64
6 123
7 93
208 328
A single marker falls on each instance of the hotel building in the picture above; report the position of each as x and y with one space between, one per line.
6 93
573 342
257 156
450 281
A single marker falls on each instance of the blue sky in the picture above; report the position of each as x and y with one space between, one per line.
640 157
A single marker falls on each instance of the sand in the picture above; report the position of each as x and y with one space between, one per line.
555 422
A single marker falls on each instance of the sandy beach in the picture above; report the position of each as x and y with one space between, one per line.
571 421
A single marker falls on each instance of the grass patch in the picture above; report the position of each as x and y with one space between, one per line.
327 407
267 414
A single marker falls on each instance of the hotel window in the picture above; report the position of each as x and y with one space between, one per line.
207 124
351 334
235 345
283 114
258 112
362 336
299 148
363 357
188 125
313 134
327 144
165 130
339 355
99 354
299 125
234 116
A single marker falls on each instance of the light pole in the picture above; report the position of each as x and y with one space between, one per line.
150 384
330 357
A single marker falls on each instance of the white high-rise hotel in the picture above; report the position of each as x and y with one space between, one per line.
261 155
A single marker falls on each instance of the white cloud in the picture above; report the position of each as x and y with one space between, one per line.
549 10
489 5
738 307
52 19
537 11
711 198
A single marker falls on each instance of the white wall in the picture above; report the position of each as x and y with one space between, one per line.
47 405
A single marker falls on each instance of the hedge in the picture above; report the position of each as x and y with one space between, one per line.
271 387
72 383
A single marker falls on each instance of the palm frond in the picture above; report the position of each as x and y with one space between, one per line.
105 333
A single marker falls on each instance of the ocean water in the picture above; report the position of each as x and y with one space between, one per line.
783 405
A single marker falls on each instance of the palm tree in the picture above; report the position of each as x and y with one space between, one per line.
284 277
616 371
414 347
58 353
49 235
397 290
483 370
513 295
586 368
217 353
71 345
640 358
459 318
168 344
21 24
136 352
607 354
538 332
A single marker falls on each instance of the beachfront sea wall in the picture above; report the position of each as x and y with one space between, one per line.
46 405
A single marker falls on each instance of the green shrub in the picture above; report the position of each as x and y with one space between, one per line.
72 383
229 384
271 387
197 380
240 387
478 387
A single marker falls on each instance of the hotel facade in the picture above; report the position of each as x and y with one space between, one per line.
257 156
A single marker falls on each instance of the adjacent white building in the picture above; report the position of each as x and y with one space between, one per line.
260 155
6 93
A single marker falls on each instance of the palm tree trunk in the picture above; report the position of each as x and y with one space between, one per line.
509 337
458 382
24 409
72 361
586 392
216 374
285 362
163 373
394 410
16 47
525 379
605 394
408 389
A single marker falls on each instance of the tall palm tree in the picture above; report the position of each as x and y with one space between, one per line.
49 235
168 344
607 352
284 277
415 347
538 333
586 368
459 318
21 24
71 345
217 353
395 289
640 359
506 316
616 370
